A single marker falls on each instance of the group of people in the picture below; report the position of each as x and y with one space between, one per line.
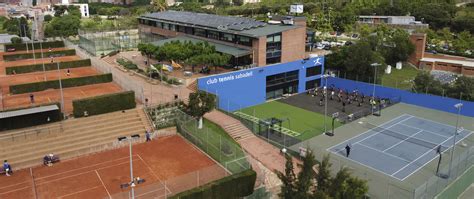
345 97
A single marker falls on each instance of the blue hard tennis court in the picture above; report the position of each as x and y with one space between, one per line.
401 146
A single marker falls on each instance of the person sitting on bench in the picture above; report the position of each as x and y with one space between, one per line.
49 159
7 168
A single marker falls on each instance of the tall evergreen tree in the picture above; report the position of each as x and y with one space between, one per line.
306 182
288 189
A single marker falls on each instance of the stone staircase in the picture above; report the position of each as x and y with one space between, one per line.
76 137
232 126
193 86
238 131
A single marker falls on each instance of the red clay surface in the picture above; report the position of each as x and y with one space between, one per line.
6 81
53 95
100 175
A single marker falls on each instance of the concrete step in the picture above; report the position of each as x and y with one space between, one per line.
67 152
40 151
75 133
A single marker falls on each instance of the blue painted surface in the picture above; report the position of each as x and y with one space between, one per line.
423 100
244 88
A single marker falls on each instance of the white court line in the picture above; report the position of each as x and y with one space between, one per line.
13 185
366 132
425 130
430 150
402 141
108 193
407 161
376 133
435 157
68 171
421 118
152 172
357 162
70 194
77 174
150 192
14 190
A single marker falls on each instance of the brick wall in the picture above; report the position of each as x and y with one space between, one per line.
419 39
259 51
293 44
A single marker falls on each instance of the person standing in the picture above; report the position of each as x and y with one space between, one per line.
32 98
348 150
68 72
7 168
147 135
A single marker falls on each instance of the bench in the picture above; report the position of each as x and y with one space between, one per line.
47 160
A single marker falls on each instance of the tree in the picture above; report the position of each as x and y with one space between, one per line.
159 5
323 179
398 48
463 88
63 26
346 186
200 103
16 40
425 83
288 189
48 18
306 176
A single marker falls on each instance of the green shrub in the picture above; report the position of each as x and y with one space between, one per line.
127 64
234 186
104 104
54 84
37 45
48 66
14 57
16 40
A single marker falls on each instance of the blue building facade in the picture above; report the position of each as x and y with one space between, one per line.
250 87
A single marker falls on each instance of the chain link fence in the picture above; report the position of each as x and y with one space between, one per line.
124 80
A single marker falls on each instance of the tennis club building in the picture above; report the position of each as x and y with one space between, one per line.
249 42
244 88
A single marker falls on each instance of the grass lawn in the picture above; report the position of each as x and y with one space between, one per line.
401 79
213 140
308 123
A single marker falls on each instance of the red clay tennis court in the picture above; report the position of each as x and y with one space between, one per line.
167 159
53 95
8 80
46 60
30 51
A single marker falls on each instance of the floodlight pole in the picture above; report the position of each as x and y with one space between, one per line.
325 76
132 181
42 61
457 106
375 65
61 89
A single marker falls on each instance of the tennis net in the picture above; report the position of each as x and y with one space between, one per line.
408 138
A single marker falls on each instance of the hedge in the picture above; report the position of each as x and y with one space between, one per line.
14 57
104 104
48 66
31 119
71 82
234 186
37 45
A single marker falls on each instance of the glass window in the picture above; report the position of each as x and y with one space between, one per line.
227 37
172 27
213 35
166 26
181 29
189 30
246 41
277 38
313 71
200 32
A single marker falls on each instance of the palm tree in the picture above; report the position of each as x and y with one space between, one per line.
159 5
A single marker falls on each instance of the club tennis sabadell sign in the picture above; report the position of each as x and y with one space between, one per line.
229 78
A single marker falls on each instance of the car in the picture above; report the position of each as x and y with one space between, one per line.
348 43
327 47
11 49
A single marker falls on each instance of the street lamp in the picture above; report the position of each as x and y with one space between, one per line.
61 90
325 76
458 106
375 65
132 182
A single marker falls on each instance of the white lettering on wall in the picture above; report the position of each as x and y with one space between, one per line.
229 78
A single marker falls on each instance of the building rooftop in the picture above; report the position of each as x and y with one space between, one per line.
450 61
239 25
226 49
